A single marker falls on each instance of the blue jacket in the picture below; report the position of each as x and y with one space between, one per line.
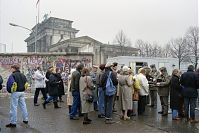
17 82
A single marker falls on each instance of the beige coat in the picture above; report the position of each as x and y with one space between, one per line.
86 106
125 94
69 98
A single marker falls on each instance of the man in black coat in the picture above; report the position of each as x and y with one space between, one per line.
50 69
188 81
108 99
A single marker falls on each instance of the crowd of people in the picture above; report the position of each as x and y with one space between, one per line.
99 89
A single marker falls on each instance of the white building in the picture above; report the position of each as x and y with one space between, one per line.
137 62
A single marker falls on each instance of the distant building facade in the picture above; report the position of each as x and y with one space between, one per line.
49 32
100 51
57 35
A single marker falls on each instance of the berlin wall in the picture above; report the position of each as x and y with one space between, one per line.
29 61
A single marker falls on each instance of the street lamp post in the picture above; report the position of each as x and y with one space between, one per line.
35 34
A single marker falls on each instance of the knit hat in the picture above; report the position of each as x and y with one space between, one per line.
125 68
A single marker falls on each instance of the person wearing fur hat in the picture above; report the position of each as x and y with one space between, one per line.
163 81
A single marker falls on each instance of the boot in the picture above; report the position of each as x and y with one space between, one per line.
86 120
44 104
56 105
60 99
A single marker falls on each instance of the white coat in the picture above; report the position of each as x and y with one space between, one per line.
144 85
39 78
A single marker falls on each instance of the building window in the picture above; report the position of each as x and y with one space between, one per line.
62 36
66 50
51 40
74 49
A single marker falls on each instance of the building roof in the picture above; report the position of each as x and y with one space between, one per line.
77 40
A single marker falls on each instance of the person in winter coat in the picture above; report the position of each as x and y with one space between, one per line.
75 92
69 93
40 85
150 82
53 89
109 98
143 92
152 88
197 73
101 112
60 85
114 70
175 94
93 75
189 82
86 86
1 82
16 85
125 98
49 71
163 81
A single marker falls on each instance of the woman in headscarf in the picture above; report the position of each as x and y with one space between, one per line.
86 86
125 98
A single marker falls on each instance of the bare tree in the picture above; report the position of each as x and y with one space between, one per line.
179 49
140 45
192 38
144 47
122 40
147 49
166 51
154 49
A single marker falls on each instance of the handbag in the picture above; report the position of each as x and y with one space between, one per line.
88 93
136 96
136 84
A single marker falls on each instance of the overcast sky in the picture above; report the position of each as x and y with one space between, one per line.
150 20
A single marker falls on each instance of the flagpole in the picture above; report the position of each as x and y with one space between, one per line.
38 10
35 33
37 22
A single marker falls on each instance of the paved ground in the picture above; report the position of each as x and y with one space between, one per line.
56 121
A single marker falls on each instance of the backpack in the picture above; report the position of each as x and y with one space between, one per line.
110 88
1 80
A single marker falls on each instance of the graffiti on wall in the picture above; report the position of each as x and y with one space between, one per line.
29 63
